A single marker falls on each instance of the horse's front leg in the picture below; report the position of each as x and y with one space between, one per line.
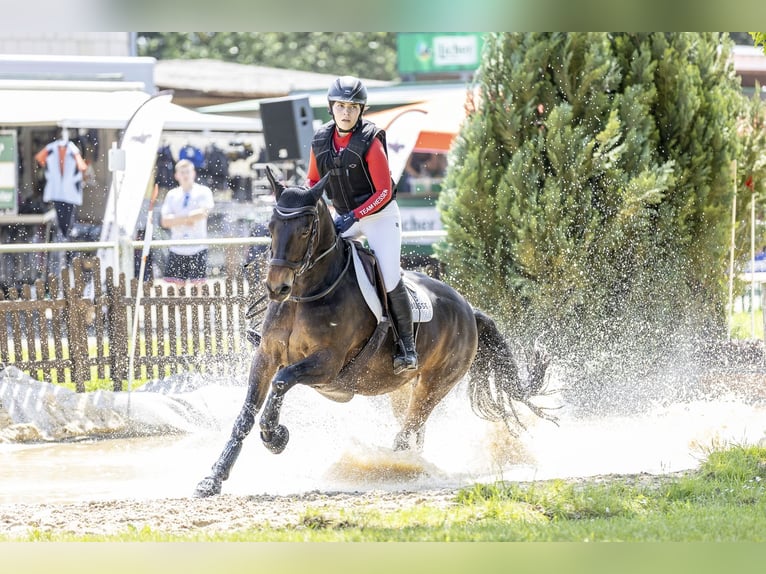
313 370
256 393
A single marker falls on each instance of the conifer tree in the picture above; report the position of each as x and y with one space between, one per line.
589 193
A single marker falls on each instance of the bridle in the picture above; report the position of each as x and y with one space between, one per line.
306 263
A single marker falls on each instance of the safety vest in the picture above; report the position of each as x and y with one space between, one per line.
349 184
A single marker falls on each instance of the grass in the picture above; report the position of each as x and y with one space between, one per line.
742 325
723 500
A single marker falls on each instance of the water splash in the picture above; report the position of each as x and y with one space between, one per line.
348 446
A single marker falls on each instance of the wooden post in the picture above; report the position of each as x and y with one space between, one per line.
78 336
118 329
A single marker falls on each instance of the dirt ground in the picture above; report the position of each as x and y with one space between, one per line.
188 515
227 513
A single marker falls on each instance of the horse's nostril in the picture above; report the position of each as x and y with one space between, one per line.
280 292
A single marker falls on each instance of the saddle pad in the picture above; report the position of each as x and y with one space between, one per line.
422 310
366 287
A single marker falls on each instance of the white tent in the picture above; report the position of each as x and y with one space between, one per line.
104 110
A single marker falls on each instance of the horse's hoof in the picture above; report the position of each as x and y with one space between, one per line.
401 442
279 439
208 486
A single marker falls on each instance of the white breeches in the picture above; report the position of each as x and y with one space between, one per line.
383 231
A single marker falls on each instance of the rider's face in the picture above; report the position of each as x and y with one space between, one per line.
346 114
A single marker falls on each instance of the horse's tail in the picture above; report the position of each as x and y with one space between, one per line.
492 396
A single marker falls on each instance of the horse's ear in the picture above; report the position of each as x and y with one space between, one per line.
276 186
318 188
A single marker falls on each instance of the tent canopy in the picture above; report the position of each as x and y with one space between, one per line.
444 115
104 110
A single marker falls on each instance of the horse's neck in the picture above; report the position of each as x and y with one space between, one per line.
325 270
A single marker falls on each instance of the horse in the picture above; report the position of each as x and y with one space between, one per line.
318 331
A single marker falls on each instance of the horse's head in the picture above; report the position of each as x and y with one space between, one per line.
299 224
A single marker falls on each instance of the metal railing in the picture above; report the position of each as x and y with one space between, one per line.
138 244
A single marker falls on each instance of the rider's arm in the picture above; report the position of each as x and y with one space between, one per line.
313 175
381 180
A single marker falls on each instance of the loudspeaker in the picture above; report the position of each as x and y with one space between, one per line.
288 127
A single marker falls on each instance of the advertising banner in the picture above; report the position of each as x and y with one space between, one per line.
8 174
423 53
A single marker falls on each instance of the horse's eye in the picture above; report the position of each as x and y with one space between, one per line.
305 231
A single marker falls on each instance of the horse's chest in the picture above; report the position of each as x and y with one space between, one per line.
299 338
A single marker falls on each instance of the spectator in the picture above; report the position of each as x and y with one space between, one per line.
184 213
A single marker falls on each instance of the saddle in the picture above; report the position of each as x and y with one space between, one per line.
372 272
373 289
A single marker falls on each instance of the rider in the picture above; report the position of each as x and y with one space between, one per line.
354 151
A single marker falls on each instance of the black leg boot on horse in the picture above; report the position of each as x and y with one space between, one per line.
405 357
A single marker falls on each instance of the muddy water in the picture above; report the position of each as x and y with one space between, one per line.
347 447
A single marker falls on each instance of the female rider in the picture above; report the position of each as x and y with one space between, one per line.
353 151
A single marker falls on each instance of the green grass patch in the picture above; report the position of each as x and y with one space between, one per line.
742 325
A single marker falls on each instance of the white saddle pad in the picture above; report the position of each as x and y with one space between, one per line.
422 310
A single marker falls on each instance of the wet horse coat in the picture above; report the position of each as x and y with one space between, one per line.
317 322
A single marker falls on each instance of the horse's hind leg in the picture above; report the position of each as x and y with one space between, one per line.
423 399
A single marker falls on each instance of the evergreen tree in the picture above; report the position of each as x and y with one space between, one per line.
589 193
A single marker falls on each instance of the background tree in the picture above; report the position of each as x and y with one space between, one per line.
365 54
589 196
759 39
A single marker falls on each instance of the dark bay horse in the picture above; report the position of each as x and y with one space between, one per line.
317 326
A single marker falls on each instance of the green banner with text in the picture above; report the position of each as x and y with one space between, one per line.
422 53
8 173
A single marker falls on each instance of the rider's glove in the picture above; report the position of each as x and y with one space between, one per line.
343 222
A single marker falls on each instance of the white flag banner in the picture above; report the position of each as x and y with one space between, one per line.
401 135
139 145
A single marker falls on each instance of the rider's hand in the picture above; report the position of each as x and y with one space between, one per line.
343 222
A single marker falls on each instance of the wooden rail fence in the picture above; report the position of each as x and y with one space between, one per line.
73 330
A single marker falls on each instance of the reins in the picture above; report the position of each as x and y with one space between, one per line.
329 289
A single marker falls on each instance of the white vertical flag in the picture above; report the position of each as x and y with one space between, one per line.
139 144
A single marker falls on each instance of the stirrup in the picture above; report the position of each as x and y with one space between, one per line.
404 361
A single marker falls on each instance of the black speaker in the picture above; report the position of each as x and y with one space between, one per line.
288 127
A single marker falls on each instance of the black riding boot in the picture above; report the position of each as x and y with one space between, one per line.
405 358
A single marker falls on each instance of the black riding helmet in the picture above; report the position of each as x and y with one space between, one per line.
347 89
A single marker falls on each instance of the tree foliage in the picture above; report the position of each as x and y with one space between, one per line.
590 192
759 39
364 54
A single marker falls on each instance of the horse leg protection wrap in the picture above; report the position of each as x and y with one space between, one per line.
242 427
270 416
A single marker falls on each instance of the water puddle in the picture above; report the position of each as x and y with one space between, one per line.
347 447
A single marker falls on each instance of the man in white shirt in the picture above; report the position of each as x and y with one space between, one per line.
184 213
